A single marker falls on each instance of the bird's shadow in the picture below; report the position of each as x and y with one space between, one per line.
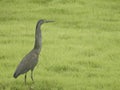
19 85
30 86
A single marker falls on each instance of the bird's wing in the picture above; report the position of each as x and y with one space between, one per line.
27 63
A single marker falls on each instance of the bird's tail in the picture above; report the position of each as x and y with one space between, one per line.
16 75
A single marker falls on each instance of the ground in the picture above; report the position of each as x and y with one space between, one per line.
80 51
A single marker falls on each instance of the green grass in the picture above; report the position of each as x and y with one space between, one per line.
81 50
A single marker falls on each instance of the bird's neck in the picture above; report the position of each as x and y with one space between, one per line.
38 38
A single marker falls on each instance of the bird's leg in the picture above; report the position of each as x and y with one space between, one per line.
25 77
32 75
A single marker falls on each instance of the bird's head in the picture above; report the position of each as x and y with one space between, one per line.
44 21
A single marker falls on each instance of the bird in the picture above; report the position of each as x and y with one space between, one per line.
30 60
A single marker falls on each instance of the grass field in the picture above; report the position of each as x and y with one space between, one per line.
81 50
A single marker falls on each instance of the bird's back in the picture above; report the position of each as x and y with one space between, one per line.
27 63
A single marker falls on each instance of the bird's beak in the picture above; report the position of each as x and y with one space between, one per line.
48 21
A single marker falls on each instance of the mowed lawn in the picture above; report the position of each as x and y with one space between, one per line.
80 51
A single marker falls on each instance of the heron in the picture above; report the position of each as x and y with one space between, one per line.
30 60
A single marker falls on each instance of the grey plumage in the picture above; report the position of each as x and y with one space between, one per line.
27 63
31 59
